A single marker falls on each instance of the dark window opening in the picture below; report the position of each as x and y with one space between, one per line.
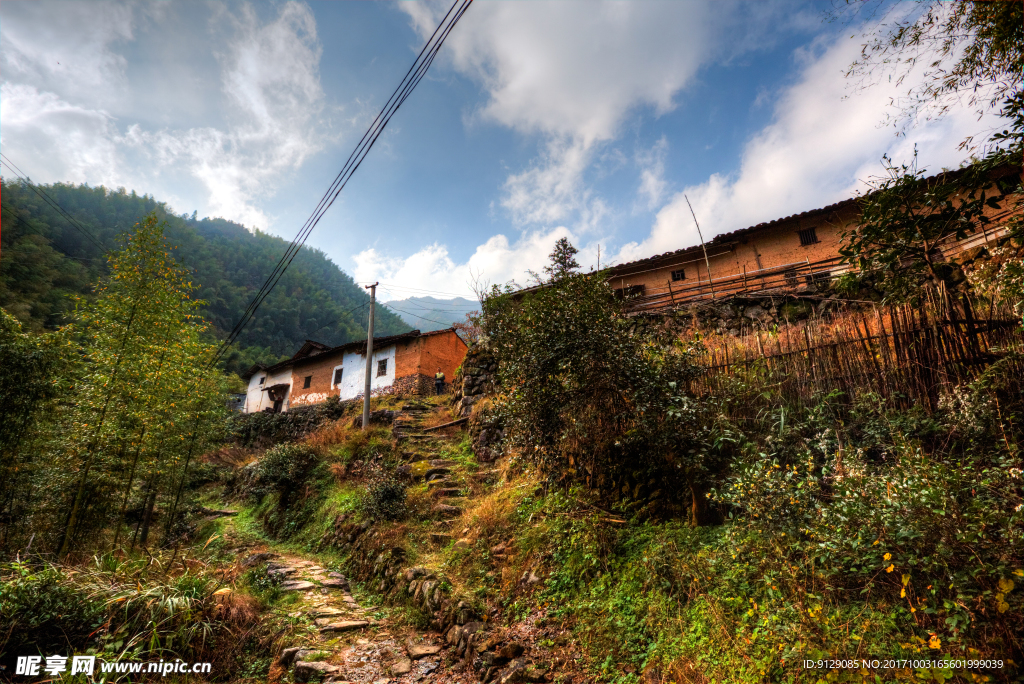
307 382
790 275
819 277
630 291
382 367
808 236
337 376
263 379
679 275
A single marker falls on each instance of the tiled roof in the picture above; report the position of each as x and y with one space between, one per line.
358 346
732 235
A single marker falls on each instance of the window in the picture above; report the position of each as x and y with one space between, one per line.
630 291
808 236
337 376
679 275
263 379
819 277
306 383
382 367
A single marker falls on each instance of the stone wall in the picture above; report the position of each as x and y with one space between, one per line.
477 380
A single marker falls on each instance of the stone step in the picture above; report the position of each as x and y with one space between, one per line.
440 538
345 626
435 473
299 585
447 510
335 583
434 484
446 493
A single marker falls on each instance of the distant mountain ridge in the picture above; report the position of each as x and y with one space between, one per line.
431 313
44 260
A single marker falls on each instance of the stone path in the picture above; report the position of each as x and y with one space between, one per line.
344 642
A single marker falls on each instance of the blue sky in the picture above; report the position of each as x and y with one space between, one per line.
540 119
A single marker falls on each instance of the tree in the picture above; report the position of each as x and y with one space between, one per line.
906 218
147 392
563 260
596 398
972 50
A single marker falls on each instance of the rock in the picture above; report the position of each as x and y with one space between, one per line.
401 666
511 650
440 537
529 578
325 612
438 483
447 510
345 626
514 673
421 650
287 655
335 583
535 674
256 559
281 572
446 493
298 585
464 543
435 473
304 671
412 573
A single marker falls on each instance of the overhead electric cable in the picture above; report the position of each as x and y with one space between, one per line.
412 78
49 200
422 318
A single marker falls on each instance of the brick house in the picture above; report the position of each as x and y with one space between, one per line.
401 364
788 254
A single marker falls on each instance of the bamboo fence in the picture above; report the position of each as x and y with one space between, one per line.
908 354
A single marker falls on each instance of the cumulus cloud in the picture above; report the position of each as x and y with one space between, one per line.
572 72
497 261
269 82
816 151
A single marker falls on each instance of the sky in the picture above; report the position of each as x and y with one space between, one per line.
540 119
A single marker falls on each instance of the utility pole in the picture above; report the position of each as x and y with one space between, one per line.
369 356
701 236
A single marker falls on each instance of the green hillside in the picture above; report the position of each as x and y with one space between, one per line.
45 259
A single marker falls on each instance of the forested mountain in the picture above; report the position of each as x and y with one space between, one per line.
431 313
45 260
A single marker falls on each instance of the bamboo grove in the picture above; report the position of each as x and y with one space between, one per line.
108 412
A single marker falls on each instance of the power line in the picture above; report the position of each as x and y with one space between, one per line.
420 289
422 318
49 200
409 82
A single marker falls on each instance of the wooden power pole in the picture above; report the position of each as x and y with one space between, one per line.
369 356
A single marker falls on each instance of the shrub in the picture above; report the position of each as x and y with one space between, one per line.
385 495
284 469
597 396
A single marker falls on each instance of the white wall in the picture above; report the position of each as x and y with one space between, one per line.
353 375
256 399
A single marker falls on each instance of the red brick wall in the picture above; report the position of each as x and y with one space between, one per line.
321 367
445 350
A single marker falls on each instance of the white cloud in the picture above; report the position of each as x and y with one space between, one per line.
66 46
652 173
571 72
812 154
271 124
497 261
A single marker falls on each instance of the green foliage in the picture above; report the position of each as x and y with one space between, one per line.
385 495
121 608
43 259
973 50
285 469
597 396
43 613
906 217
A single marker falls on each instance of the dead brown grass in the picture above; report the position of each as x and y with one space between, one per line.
232 456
